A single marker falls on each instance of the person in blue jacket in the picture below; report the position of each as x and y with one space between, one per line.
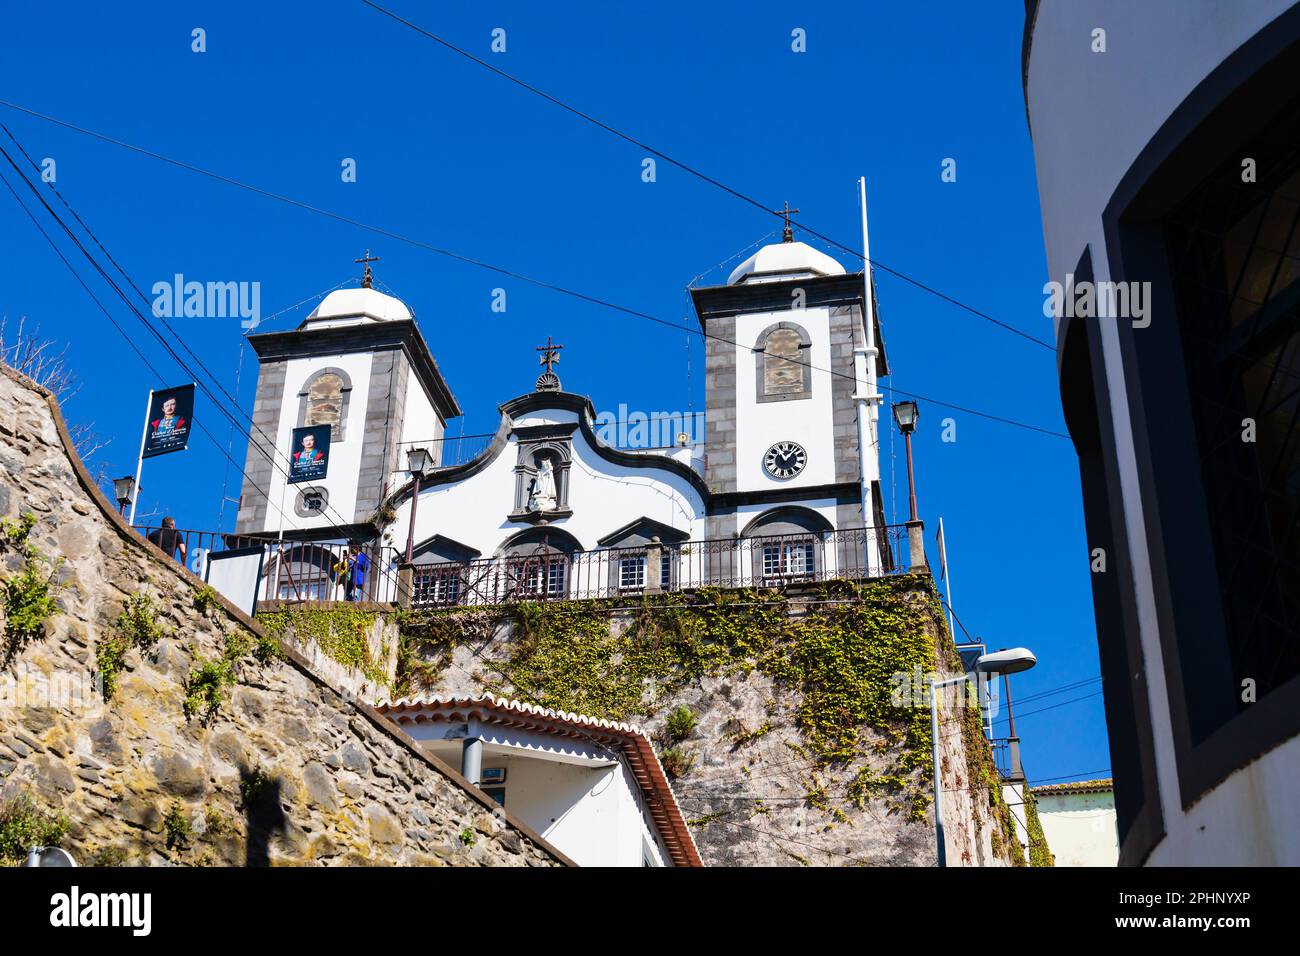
354 584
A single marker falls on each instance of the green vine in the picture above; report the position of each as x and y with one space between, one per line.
137 626
206 684
24 824
839 656
30 597
342 633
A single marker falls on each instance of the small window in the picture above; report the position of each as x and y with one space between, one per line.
496 793
787 560
631 573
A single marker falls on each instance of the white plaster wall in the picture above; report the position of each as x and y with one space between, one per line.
1248 820
604 496
1091 114
590 814
760 425
571 793
1079 828
345 456
420 422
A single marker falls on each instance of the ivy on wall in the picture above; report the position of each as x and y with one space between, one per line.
839 655
342 632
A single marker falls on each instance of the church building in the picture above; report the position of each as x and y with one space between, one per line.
786 487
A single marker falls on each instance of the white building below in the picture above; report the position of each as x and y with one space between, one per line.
1078 821
593 788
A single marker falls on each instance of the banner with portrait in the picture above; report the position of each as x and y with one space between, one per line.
309 458
170 418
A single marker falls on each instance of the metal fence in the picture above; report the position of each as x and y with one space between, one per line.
319 571
769 561
291 570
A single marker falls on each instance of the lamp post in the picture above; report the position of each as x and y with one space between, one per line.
124 491
418 461
906 414
1004 662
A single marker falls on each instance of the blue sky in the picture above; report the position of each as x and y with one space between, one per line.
452 156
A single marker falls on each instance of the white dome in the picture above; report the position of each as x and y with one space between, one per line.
783 260
356 306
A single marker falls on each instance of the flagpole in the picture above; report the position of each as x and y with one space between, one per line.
139 462
864 361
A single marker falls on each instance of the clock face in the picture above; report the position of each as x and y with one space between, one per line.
785 459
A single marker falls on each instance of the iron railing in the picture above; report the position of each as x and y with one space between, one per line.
291 570
315 571
765 561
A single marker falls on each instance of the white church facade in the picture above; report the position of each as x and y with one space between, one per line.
785 487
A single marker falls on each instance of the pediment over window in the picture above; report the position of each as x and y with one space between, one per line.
640 532
441 548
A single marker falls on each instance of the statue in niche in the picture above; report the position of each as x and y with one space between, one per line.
543 497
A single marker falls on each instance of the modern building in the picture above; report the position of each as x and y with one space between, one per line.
1078 821
1167 144
593 788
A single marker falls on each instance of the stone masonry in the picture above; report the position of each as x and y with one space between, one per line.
289 770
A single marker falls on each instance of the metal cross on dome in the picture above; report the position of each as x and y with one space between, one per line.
368 278
788 235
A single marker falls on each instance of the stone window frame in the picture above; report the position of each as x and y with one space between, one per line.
300 501
338 433
760 364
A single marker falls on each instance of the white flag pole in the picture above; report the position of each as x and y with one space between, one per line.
139 462
864 362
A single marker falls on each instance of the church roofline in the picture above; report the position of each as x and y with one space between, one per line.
586 412
331 340
724 301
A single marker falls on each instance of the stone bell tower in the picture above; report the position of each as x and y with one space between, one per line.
359 364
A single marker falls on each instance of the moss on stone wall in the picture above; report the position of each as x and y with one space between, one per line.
342 632
1039 853
837 648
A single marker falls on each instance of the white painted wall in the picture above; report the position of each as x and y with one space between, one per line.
420 421
604 496
1079 828
760 425
345 456
588 806
1091 114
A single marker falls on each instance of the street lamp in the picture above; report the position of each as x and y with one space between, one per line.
124 490
906 414
418 463
1002 662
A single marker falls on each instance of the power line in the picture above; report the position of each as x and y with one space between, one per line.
766 208
108 315
509 273
140 317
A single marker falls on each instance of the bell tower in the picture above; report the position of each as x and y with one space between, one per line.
781 336
358 364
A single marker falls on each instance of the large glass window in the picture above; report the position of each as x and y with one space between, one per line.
1234 254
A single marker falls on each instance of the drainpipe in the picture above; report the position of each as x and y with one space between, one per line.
471 755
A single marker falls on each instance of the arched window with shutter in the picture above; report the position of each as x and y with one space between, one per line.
324 401
782 363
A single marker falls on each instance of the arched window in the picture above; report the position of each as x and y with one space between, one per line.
783 371
324 401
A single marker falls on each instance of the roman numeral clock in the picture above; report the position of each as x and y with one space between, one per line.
784 460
